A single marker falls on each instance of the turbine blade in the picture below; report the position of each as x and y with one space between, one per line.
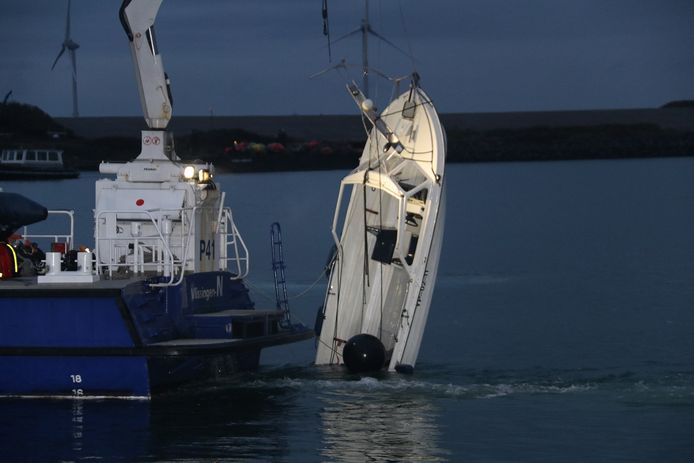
62 50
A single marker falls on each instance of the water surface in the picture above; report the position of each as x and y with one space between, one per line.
561 329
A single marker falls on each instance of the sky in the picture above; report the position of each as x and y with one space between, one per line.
254 57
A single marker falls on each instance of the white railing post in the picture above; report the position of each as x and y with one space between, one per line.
68 238
163 242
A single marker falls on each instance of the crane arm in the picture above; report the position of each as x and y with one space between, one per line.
137 18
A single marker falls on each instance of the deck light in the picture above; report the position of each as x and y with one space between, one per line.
189 172
203 176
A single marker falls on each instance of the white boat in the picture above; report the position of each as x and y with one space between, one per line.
34 164
388 239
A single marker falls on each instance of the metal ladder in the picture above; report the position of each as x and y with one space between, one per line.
278 272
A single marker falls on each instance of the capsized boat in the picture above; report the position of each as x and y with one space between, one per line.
388 239
160 298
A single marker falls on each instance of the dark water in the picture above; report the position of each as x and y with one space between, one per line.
562 329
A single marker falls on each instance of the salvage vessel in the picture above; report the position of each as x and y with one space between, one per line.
159 300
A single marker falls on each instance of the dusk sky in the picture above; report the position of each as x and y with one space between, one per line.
254 57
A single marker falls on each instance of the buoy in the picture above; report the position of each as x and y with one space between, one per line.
364 353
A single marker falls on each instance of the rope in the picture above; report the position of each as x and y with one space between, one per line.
333 351
340 252
407 35
380 264
273 299
295 296
258 291
315 282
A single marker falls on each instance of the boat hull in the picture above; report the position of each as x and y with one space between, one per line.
74 376
137 376
111 340
382 279
28 174
34 164
411 332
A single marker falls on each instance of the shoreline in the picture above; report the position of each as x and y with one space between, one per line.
292 143
350 127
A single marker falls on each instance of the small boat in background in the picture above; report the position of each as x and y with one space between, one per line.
34 164
387 252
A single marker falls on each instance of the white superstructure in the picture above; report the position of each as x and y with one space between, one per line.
159 216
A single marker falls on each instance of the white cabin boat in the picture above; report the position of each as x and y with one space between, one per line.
388 239
34 164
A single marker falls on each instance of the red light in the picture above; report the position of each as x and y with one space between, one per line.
140 202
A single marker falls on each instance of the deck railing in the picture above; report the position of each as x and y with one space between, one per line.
67 239
128 253
168 247
239 261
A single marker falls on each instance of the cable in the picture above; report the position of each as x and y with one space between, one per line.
295 296
304 292
407 35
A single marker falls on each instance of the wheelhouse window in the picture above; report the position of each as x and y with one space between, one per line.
41 155
52 156
31 156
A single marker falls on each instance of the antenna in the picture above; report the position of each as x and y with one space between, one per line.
365 30
71 46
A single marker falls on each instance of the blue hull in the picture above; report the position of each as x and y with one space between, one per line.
135 377
74 376
130 341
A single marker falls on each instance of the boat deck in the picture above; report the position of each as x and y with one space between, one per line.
193 345
237 313
25 284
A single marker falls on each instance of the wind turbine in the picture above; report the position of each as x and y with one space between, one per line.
71 46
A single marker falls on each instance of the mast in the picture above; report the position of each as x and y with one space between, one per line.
75 106
365 29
